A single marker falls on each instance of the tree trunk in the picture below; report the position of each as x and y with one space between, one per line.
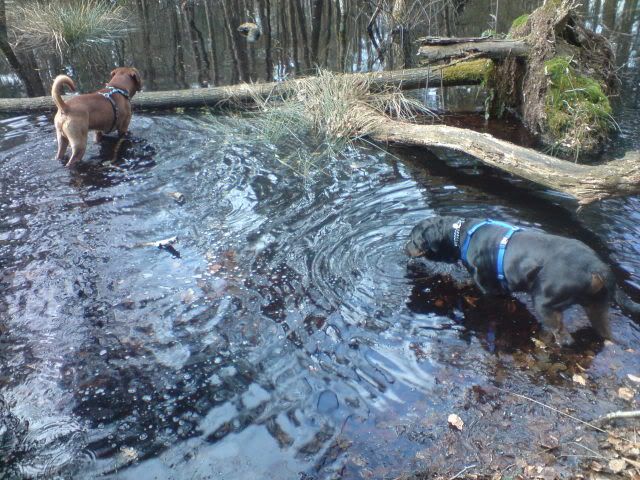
609 16
213 53
302 25
265 14
316 25
627 20
25 68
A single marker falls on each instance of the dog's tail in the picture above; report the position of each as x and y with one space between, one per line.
56 90
628 305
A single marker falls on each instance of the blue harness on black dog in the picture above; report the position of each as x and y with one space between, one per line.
114 107
502 247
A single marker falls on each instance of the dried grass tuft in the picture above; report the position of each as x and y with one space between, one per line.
67 24
327 113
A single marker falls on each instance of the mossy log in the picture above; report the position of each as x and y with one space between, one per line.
584 183
435 49
232 96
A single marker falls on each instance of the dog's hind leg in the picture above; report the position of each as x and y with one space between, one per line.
78 139
76 155
63 143
598 314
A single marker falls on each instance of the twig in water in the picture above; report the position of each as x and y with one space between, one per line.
620 414
462 471
591 425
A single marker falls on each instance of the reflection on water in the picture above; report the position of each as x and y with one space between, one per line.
291 334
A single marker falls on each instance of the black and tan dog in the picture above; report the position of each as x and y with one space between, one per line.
558 272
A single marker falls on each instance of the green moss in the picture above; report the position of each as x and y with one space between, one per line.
521 20
480 70
578 111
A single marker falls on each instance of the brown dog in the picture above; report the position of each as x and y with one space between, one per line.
104 111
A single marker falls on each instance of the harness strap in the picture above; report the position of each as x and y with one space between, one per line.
501 251
467 239
114 107
502 248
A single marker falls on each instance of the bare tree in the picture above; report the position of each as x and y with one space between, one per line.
23 64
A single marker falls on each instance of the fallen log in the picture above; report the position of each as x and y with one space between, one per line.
230 96
435 49
584 183
451 40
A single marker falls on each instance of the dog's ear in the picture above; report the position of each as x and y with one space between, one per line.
136 78
113 72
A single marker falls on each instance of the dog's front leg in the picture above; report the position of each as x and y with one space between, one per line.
479 280
99 136
598 314
552 323
123 130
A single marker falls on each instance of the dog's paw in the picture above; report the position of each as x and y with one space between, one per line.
560 338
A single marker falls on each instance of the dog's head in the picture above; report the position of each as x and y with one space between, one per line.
433 239
130 76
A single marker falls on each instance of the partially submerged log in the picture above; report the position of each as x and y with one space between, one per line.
436 49
230 96
584 183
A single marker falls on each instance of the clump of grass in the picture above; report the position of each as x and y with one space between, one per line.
578 111
326 114
70 23
518 22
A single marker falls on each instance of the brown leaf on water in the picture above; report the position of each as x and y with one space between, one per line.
455 421
579 379
471 301
617 465
626 393
550 443
539 343
439 303
595 466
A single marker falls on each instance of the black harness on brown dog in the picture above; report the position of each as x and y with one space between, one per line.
108 94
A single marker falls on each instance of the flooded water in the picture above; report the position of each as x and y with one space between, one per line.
283 333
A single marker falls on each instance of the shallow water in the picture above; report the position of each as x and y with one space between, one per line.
284 330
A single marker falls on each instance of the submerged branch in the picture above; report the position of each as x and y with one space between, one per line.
584 183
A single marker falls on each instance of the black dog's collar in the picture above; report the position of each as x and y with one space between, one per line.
456 232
